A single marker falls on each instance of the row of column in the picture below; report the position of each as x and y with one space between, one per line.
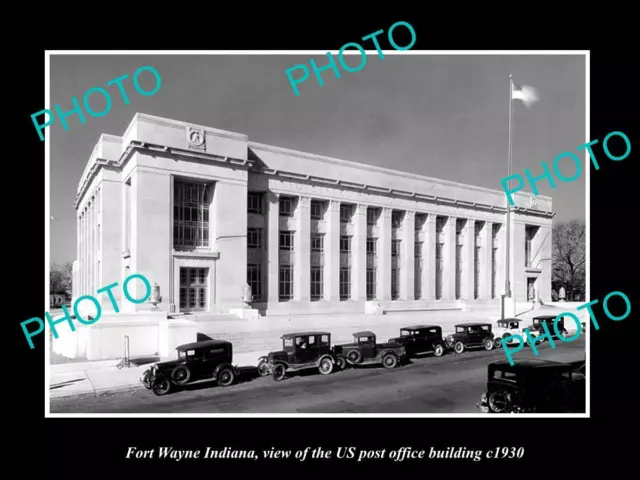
331 269
88 244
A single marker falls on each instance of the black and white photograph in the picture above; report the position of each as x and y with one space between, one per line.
386 233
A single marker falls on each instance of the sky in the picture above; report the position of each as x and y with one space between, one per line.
441 116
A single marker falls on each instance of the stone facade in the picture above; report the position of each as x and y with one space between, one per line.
202 212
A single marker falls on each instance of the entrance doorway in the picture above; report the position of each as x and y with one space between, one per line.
531 289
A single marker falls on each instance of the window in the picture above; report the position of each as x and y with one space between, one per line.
191 215
193 288
286 207
324 340
346 212
254 203
372 216
286 240
254 238
317 210
417 249
127 210
395 248
345 283
316 283
317 242
286 282
529 233
395 283
371 283
345 244
371 246
396 219
254 277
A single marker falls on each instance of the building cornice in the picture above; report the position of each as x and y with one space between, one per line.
429 199
137 146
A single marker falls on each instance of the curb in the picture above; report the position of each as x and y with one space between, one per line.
97 393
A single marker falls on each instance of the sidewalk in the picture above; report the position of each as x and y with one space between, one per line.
103 377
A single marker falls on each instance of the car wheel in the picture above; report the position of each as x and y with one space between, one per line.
146 380
497 343
354 356
263 368
181 375
438 351
488 344
458 347
341 363
279 372
226 377
326 366
389 360
162 387
499 402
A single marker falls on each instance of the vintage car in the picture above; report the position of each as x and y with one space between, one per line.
421 339
535 386
365 351
196 361
302 351
536 329
471 335
507 327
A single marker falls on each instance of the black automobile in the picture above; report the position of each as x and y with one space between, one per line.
196 361
419 339
365 351
535 386
302 351
471 335
536 329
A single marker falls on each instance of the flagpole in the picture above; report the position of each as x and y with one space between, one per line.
507 283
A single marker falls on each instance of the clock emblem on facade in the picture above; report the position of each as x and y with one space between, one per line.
195 138
534 201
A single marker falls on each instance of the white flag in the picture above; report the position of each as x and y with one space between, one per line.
528 95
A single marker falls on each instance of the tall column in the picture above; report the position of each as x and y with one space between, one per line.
518 280
469 259
302 269
429 259
85 288
500 259
407 285
92 252
273 246
485 262
332 253
76 291
384 257
359 277
449 257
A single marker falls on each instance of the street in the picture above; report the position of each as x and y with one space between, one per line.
449 384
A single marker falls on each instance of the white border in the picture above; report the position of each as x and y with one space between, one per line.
48 54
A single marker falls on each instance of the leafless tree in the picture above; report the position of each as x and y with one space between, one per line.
60 280
569 257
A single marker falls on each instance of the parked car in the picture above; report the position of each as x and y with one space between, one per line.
506 327
471 335
421 339
534 386
365 351
536 329
301 351
196 361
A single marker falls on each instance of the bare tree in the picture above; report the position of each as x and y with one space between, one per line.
60 279
569 257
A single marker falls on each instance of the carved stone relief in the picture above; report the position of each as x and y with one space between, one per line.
196 138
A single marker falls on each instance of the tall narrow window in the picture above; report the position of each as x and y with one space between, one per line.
254 238
345 283
254 279
371 283
254 202
286 207
286 282
316 283
191 215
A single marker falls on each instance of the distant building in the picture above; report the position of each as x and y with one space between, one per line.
202 212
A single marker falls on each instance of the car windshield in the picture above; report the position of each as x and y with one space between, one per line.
405 333
460 330
502 324
182 354
287 343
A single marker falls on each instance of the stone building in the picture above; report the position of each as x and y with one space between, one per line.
202 212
